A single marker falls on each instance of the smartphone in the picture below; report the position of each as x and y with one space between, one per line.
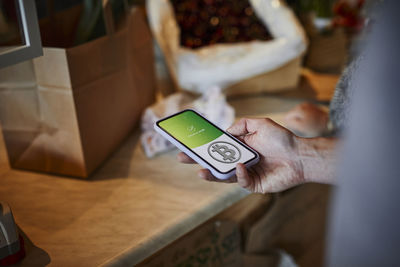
205 143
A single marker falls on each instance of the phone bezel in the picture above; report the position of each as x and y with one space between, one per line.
255 154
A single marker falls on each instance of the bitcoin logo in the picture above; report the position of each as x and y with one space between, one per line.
224 152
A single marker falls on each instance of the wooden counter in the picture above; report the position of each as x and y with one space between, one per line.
128 210
131 208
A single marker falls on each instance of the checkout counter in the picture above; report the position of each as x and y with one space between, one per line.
136 210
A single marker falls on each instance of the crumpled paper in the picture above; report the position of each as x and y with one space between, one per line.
212 104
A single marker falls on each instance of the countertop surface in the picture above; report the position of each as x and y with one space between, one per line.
130 208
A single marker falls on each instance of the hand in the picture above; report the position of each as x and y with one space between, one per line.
279 167
307 120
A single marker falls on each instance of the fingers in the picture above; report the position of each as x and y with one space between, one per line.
245 126
206 175
239 128
182 157
242 175
203 173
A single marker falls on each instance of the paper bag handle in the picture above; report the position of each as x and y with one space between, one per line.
108 15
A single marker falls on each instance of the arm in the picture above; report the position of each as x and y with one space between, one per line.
318 157
285 159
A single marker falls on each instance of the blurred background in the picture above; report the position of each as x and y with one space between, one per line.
83 81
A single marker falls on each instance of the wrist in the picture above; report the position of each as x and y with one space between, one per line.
317 158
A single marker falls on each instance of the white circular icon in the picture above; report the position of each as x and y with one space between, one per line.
224 152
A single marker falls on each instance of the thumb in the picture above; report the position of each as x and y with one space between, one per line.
243 177
239 128
245 126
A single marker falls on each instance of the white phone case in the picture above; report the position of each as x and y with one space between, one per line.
203 163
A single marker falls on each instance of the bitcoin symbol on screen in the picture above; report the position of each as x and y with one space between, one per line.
224 152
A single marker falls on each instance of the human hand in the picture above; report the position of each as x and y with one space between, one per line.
279 167
307 120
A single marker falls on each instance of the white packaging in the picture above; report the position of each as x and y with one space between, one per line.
212 104
223 65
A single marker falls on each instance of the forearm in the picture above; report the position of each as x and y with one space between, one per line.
318 159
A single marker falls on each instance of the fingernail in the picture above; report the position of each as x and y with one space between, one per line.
239 169
240 173
202 175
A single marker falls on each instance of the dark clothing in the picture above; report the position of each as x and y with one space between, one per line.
365 218
340 103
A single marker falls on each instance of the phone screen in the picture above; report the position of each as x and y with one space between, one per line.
206 140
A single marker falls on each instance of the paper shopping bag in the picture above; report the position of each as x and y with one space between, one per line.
66 111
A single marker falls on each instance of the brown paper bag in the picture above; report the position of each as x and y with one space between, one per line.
66 111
